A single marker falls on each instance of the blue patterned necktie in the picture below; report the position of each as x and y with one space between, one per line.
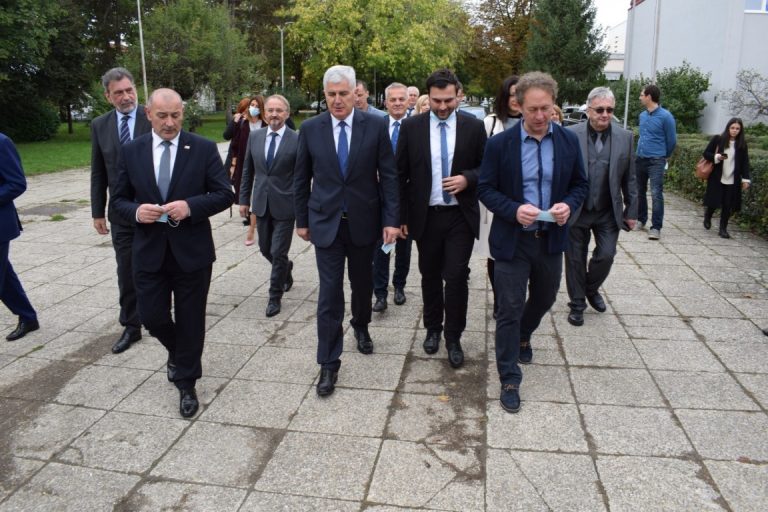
271 150
125 133
343 149
395 135
164 174
445 164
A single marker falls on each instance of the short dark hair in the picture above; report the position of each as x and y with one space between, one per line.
442 78
653 91
363 84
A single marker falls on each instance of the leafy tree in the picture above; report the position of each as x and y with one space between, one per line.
190 43
750 98
565 42
619 88
499 44
681 90
393 39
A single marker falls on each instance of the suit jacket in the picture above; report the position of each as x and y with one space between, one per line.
105 153
370 162
414 164
501 187
263 188
621 172
12 185
197 177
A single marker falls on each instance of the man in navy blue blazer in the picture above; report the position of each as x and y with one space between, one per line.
12 185
347 197
532 178
169 183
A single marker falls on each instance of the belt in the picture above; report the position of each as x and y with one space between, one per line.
537 233
344 216
443 207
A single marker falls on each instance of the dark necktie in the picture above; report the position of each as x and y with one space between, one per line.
395 135
125 133
271 150
164 175
599 143
343 150
444 163
410 111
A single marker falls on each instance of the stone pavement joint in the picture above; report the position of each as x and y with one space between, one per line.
660 403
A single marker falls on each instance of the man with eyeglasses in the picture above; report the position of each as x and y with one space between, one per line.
532 178
608 157
657 141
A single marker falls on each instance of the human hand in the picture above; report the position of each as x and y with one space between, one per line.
561 212
303 233
244 211
390 234
526 214
177 210
404 231
149 213
454 184
101 226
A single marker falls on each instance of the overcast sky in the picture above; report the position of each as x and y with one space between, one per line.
611 12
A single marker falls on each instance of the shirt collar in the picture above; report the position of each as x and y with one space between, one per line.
347 119
392 120
593 133
131 114
157 140
450 121
279 132
524 134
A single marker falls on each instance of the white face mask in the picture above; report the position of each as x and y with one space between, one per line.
254 111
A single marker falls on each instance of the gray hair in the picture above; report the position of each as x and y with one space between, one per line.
395 85
535 80
338 74
600 92
166 94
413 87
115 75
279 97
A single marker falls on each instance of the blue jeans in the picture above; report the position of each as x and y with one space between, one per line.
652 168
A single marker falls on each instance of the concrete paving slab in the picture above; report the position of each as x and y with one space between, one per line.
158 397
727 435
583 351
256 404
544 427
102 387
52 429
610 386
353 412
273 502
742 485
436 419
159 495
699 390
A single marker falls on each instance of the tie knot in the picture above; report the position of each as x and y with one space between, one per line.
166 143
342 124
442 124
274 134
126 118
396 123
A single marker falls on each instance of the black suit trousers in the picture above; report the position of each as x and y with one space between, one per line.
533 267
330 302
584 279
122 241
444 251
182 335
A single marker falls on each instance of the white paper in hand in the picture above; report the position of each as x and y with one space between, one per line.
387 248
545 216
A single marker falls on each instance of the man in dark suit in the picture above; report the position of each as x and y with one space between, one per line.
340 209
608 156
438 158
267 190
108 133
532 178
12 185
169 183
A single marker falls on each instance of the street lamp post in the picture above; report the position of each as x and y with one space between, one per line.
281 28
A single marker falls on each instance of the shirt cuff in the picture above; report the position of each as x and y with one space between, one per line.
743 180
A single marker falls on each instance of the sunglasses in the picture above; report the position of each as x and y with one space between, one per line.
601 110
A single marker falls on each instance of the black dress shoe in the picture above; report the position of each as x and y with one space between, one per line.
576 317
22 329
597 302
170 369
273 307
432 342
128 337
364 341
707 223
380 305
765 331
455 354
327 383
288 284
188 404
399 296
526 353
510 398
723 234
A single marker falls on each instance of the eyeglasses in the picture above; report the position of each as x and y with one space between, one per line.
601 110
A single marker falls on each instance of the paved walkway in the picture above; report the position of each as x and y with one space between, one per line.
658 404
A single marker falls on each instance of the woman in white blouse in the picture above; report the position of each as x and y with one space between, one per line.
728 151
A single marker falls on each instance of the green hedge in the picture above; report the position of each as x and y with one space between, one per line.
754 206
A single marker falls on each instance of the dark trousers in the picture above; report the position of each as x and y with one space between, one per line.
274 243
584 279
444 252
381 267
330 302
11 292
518 318
183 335
726 205
650 169
122 241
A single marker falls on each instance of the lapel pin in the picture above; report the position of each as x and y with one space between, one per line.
186 147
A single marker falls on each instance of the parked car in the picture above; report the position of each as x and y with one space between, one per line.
477 111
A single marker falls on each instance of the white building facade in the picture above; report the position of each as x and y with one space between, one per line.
720 37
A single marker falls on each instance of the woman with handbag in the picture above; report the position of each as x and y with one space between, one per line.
728 152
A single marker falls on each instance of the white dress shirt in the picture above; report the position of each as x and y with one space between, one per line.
279 138
436 196
131 121
157 152
347 130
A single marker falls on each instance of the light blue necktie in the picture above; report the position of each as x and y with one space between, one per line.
343 149
125 133
164 174
445 164
271 150
395 135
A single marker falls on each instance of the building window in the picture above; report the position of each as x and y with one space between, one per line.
756 5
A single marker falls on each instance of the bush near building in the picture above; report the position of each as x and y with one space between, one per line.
754 206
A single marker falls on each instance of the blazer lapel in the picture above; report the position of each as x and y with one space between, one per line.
583 135
114 139
146 161
515 164
258 148
614 157
326 132
426 143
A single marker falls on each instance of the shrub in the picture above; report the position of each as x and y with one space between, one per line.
29 121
